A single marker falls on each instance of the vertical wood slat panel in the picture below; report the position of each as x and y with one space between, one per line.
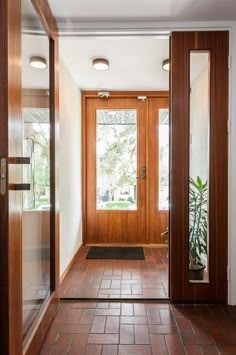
178 162
181 44
4 318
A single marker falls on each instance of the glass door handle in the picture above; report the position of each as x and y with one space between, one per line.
143 173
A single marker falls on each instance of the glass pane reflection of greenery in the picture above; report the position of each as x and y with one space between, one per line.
163 160
116 157
36 146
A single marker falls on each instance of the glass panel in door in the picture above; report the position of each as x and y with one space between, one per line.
36 201
163 159
199 166
116 159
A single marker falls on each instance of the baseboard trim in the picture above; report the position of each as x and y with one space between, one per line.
65 272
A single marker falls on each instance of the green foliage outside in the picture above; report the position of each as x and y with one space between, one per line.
116 163
114 205
37 146
198 200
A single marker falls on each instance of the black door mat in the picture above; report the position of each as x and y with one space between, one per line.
120 253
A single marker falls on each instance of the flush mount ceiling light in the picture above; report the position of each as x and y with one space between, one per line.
100 64
38 62
166 64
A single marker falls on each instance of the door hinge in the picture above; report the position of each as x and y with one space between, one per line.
142 98
228 125
229 62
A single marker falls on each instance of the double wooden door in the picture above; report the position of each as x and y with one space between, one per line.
126 173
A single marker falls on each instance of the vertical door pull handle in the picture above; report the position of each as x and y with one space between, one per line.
3 176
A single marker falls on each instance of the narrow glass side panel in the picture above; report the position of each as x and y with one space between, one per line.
163 160
199 166
116 159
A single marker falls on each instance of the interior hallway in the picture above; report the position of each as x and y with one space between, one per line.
141 329
122 279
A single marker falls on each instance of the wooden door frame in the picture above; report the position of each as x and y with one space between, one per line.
85 95
10 241
10 223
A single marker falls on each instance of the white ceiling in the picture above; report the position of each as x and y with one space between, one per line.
34 45
162 10
135 63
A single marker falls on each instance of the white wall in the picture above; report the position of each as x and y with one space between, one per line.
70 168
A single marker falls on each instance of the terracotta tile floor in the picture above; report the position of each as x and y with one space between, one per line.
140 329
133 279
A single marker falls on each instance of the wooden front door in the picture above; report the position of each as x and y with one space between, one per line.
122 201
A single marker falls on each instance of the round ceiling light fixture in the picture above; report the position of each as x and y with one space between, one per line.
38 62
100 64
166 64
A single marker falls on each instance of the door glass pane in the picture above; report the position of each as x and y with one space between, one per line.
199 166
36 201
116 159
163 160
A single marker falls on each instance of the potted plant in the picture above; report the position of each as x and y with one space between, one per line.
198 192
165 234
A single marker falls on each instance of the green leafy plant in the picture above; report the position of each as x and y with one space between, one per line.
165 234
197 221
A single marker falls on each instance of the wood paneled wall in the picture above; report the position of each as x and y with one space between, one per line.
180 287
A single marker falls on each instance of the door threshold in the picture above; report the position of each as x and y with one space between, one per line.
110 300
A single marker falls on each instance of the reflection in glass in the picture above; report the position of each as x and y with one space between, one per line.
116 159
36 146
199 166
163 160
36 212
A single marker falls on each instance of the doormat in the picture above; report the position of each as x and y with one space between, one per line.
120 253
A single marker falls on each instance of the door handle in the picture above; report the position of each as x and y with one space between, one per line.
19 187
3 176
19 160
143 173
